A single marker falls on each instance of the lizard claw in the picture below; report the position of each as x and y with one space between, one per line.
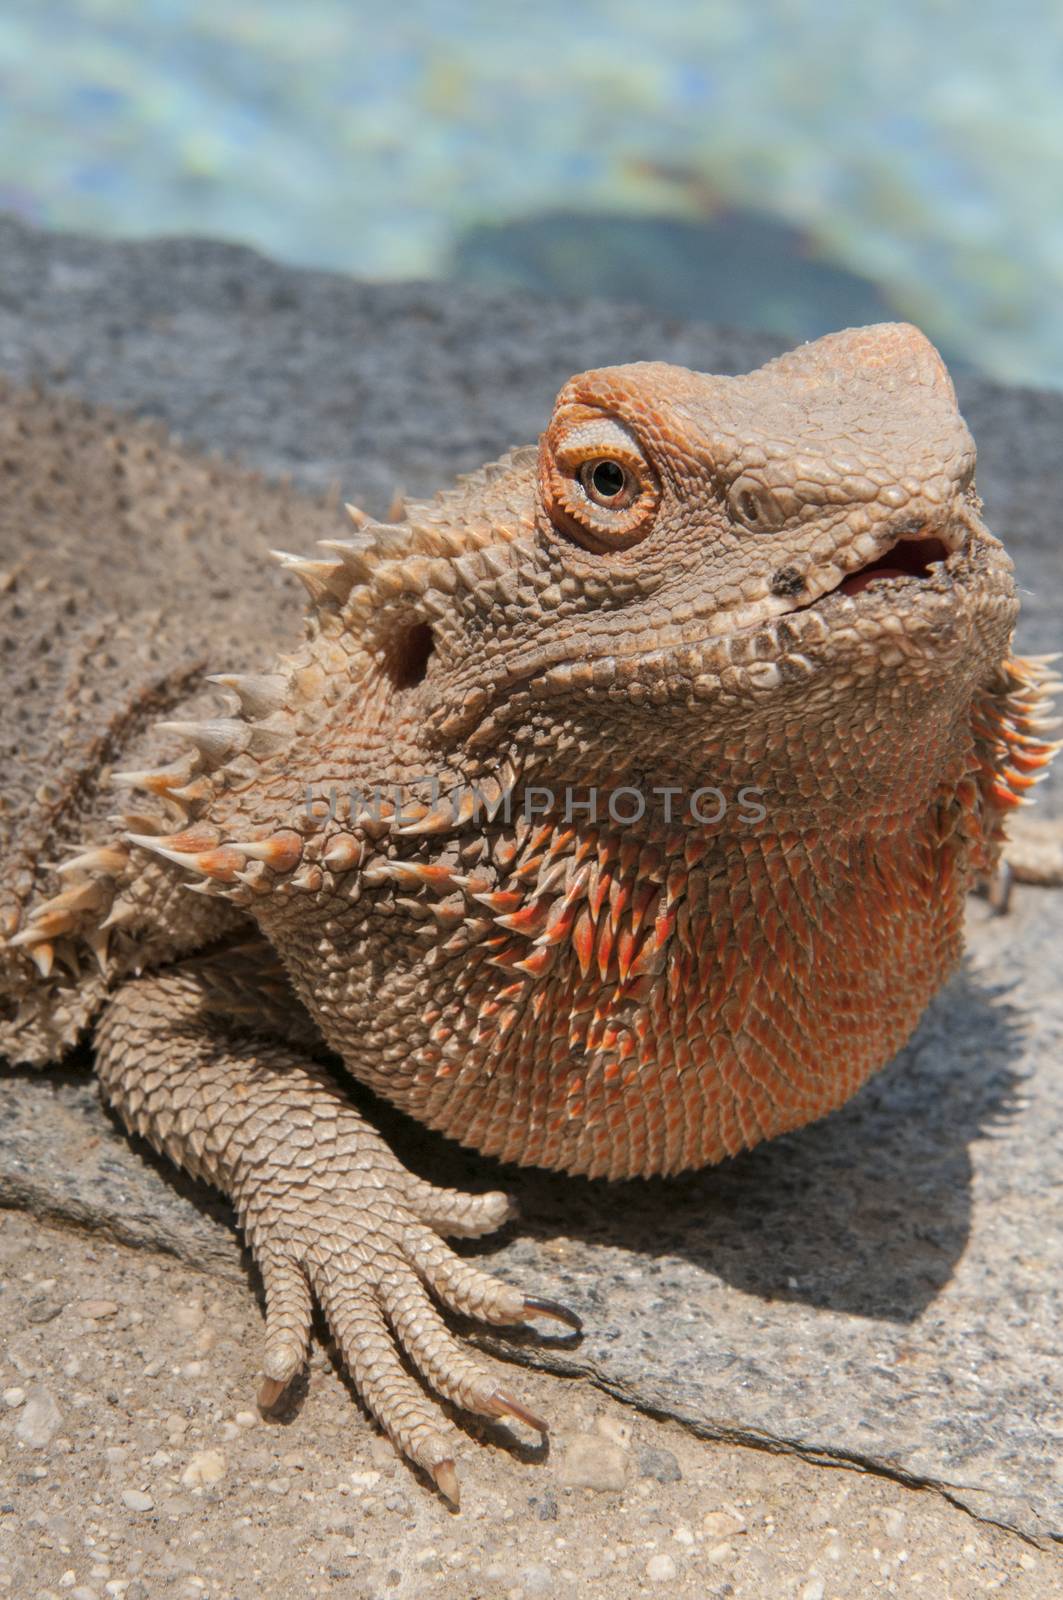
535 1306
270 1392
508 1406
446 1481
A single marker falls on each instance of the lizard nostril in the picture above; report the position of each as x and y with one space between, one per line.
754 506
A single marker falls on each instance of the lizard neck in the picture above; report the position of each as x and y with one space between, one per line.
628 1000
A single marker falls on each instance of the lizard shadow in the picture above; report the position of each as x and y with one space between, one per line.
866 1212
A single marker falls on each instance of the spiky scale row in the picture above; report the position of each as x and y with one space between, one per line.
201 849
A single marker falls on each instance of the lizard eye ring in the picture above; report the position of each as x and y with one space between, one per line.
595 482
608 483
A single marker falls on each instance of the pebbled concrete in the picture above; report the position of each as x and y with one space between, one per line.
880 1289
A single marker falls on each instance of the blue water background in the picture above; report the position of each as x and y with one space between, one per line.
697 156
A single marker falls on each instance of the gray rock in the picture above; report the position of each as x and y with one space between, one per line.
659 1464
39 1419
864 1291
591 1462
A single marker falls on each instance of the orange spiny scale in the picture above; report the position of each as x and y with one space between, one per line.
558 924
583 940
528 870
586 845
158 780
577 887
282 851
442 879
472 885
344 851
1035 752
651 864
675 885
645 895
1023 774
222 864
674 844
561 840
508 955
1004 796
625 951
664 925
539 962
650 959
608 849
528 921
619 899
552 877
447 915
604 950
506 1019
539 998
46 926
598 895
626 1047
696 848
192 840
500 901
504 853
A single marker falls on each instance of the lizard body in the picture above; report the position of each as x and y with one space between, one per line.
615 813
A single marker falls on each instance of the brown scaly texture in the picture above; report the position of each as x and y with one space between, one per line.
468 822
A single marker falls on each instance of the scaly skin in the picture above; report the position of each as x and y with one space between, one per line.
549 953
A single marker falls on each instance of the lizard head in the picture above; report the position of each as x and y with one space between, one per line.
700 551
783 573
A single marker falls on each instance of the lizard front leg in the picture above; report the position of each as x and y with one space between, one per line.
326 1207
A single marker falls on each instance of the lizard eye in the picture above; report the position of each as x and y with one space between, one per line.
595 481
607 482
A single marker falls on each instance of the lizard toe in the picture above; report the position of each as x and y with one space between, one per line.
288 1313
366 1344
441 1360
454 1214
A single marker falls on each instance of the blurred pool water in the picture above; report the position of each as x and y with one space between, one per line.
784 165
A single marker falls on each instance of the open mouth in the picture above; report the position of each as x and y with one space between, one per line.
908 558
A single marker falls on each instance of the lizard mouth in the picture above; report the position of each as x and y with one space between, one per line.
908 558
916 598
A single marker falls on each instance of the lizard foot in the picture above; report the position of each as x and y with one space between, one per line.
329 1211
362 1235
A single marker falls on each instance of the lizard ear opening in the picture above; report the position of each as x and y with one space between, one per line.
410 654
